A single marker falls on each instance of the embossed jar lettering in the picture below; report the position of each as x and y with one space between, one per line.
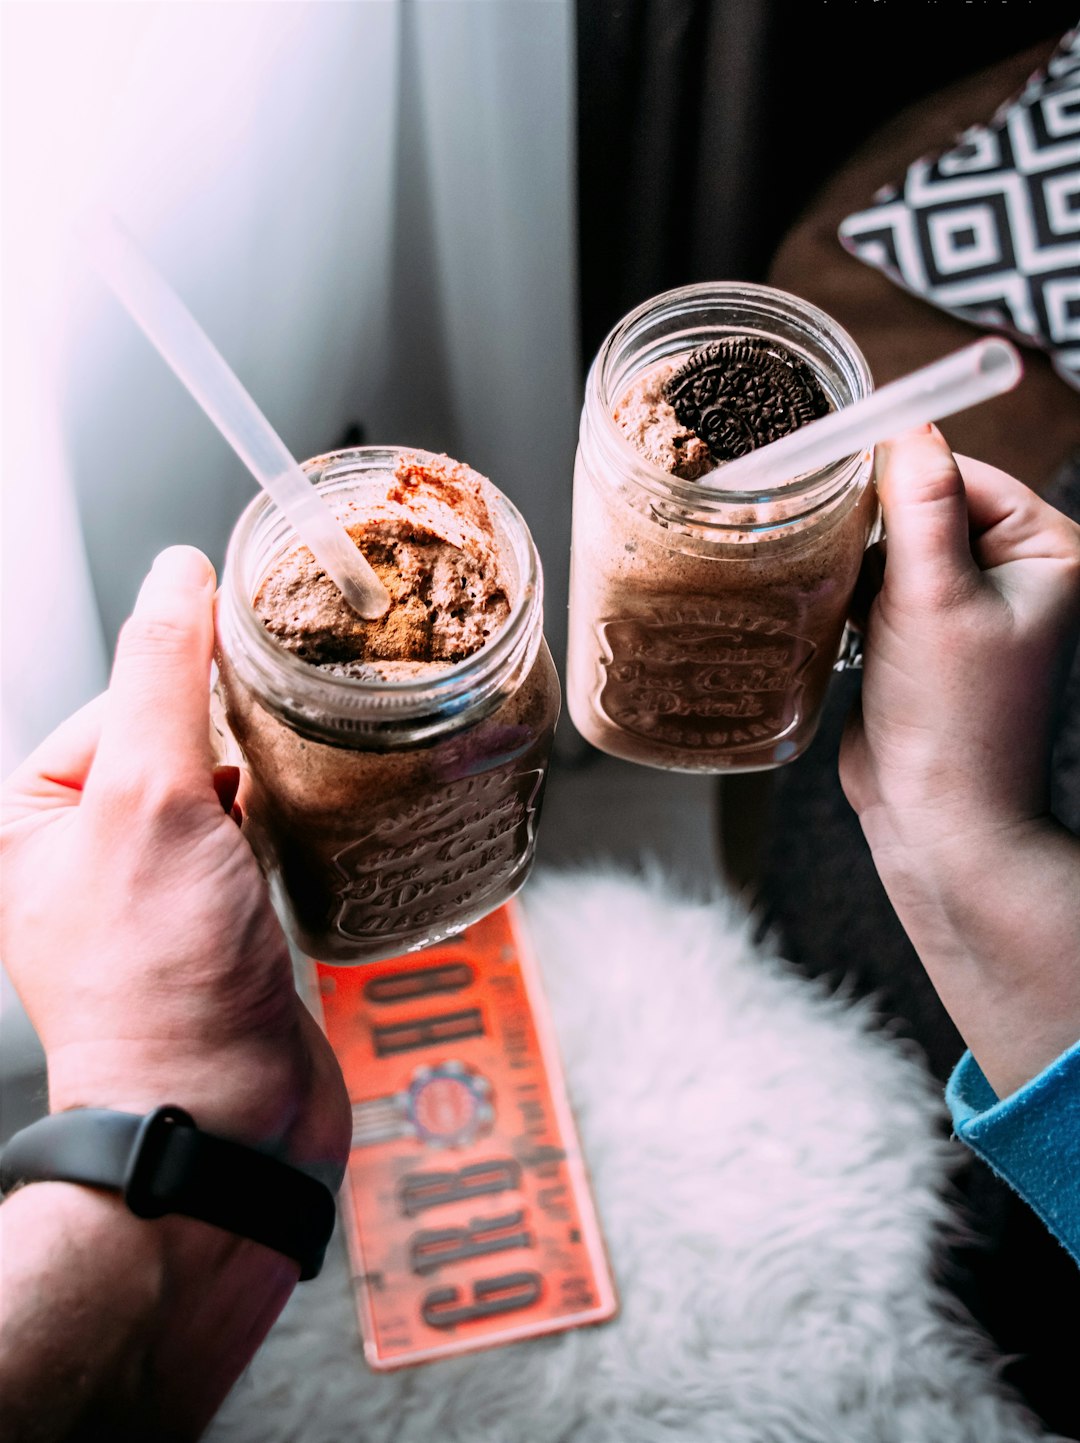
464 839
678 673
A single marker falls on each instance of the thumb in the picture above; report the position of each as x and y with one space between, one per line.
929 558
156 721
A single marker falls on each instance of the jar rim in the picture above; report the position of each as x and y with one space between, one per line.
461 686
767 302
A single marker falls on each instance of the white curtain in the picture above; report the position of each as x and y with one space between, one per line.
368 205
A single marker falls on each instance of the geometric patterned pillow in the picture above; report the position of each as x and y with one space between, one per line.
990 230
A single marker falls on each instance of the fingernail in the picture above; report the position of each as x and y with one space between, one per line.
184 567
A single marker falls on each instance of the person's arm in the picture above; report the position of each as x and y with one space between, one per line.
948 762
138 931
117 1328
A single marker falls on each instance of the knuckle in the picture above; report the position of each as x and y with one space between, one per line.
945 592
1069 567
1070 544
155 805
172 804
919 472
144 636
937 480
934 592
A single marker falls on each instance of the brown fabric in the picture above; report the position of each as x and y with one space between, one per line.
1030 432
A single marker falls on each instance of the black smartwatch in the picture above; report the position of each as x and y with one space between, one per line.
163 1163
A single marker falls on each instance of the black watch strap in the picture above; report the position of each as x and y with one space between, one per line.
163 1163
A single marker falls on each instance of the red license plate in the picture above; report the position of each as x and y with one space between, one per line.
467 1208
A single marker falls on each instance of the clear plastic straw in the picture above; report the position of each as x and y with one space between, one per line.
156 307
952 384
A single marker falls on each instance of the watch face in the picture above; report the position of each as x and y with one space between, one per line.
449 1104
467 1208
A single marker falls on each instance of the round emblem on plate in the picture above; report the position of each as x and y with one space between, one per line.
450 1104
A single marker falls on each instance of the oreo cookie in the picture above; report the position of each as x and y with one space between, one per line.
739 393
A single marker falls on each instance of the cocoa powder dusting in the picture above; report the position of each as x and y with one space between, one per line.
430 541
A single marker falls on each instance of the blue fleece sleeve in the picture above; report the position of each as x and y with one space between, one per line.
1031 1138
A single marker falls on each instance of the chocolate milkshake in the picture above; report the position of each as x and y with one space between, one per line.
394 768
704 623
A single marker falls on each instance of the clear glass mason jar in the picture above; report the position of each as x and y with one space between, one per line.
704 623
386 815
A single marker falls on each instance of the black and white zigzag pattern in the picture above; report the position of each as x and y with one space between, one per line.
990 231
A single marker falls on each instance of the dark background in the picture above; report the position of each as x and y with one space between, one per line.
705 126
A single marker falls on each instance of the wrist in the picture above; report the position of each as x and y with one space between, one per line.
954 886
932 829
994 914
187 1306
281 1095
163 1164
225 1095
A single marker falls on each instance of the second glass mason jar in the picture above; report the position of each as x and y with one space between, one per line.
386 814
704 623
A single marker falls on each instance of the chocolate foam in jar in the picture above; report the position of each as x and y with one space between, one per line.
704 623
394 768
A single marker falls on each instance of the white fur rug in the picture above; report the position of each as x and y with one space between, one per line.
769 1175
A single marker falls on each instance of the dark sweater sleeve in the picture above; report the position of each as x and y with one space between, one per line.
1030 1138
